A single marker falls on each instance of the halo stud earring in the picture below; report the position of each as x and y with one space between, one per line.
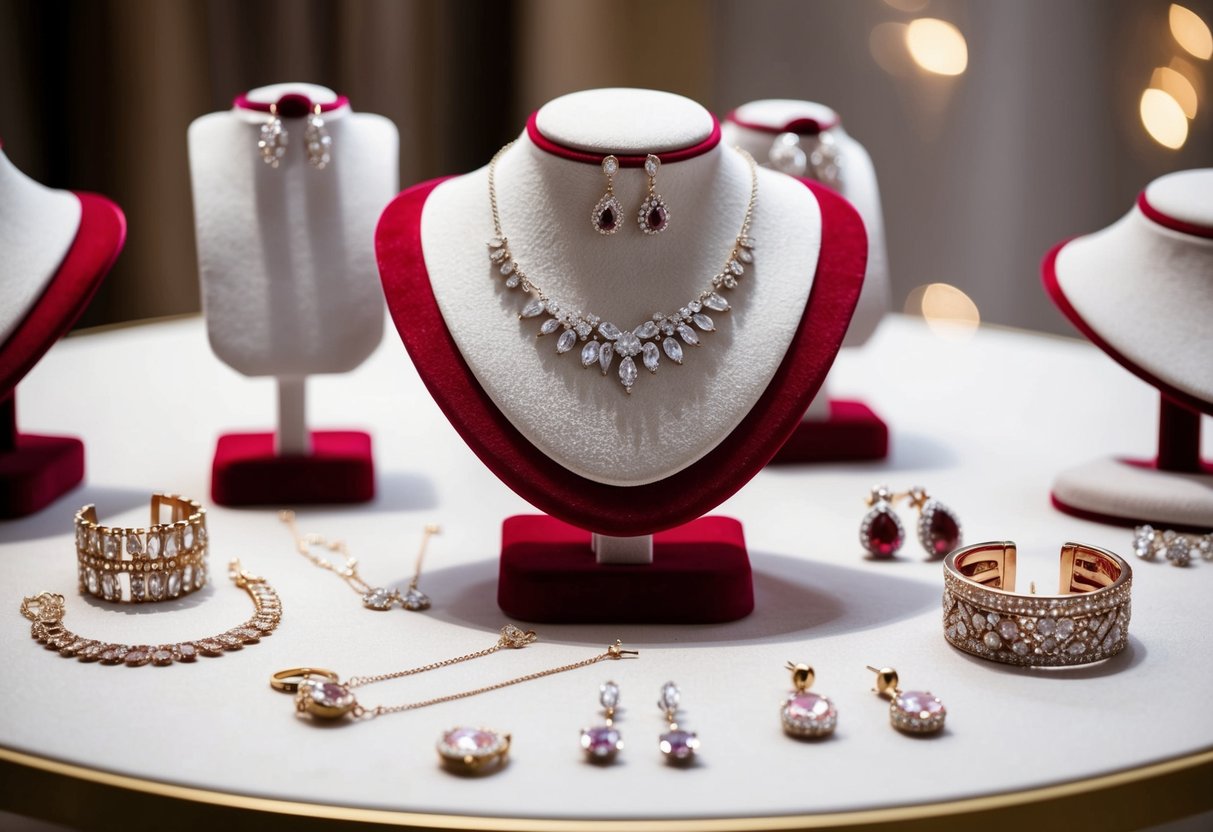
881 532
938 529
654 214
317 141
678 745
806 714
910 711
603 742
607 212
272 141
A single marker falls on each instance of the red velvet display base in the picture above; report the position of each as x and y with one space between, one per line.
700 574
38 471
851 433
247 472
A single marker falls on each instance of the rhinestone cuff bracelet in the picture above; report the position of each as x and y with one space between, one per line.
1086 622
165 560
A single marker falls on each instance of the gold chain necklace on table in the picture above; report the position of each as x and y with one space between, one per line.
373 597
602 340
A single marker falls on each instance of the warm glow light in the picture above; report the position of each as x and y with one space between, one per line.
937 46
1191 32
1178 87
1164 119
948 311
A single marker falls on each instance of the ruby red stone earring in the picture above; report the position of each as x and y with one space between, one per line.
881 532
938 529
654 214
607 212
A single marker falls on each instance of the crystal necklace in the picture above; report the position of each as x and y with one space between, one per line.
602 340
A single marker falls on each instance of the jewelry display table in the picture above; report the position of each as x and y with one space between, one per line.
984 422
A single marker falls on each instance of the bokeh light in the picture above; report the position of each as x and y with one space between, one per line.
937 46
948 311
1191 32
1164 118
1178 87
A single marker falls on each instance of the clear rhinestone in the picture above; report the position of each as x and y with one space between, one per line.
610 166
155 586
716 303
94 540
1046 626
535 307
1143 542
979 621
512 281
687 334
170 544
589 353
1065 628
415 600
651 164
549 326
567 340
109 587
673 349
627 344
703 322
187 577
499 254
736 268
187 537
992 640
648 329
134 545
652 356
608 694
1007 629
378 598
695 306
627 372
507 268
1076 648
606 354
174 584
745 255
669 697
153 544
746 242
583 329
92 581
608 330
137 587
1020 647
496 242
110 546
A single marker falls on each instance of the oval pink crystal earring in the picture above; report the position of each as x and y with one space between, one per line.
911 711
806 714
654 214
602 743
606 213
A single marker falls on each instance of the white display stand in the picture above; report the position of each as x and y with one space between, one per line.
215 735
575 416
1141 288
286 256
37 227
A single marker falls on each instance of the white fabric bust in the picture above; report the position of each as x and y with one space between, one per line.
37 228
576 416
286 255
858 185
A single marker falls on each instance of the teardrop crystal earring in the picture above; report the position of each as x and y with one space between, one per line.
881 532
606 214
603 742
317 140
911 711
654 214
272 140
938 529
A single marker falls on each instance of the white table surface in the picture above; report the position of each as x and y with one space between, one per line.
984 423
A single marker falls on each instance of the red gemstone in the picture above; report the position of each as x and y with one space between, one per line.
944 532
606 220
656 218
884 535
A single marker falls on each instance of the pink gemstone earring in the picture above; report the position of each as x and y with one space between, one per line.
677 744
938 529
806 714
606 214
654 214
602 743
881 533
911 711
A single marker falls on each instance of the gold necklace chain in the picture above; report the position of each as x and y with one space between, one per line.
319 693
373 597
602 340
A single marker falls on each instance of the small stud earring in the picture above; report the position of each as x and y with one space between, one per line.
806 714
938 529
272 141
678 745
911 711
606 213
881 532
603 742
654 214
317 140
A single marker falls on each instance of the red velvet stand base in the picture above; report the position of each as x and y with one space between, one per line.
700 574
247 472
852 433
34 470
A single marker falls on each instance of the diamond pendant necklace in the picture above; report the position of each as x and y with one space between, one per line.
602 340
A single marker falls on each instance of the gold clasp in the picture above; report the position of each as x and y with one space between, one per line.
46 607
616 651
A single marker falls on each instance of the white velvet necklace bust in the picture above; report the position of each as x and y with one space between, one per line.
576 416
37 228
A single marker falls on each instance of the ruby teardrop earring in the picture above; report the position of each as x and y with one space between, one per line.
607 213
654 214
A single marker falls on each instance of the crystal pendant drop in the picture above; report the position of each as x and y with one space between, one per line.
654 215
317 140
606 214
272 140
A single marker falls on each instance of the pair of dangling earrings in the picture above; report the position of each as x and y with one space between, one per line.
882 534
317 142
603 743
806 715
653 216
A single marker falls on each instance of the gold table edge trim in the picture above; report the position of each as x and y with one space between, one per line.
1148 779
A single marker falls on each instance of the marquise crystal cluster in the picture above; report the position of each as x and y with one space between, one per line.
164 561
1027 630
